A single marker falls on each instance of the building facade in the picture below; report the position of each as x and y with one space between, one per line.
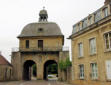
5 69
91 48
40 43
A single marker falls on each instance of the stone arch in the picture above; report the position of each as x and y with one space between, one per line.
27 69
45 70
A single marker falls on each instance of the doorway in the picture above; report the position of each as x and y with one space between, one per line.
29 70
50 69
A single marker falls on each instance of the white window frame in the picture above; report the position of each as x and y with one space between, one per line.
108 41
94 71
84 23
74 29
80 50
92 47
90 20
105 11
97 16
79 26
108 69
81 71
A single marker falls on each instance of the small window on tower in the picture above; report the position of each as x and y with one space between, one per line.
27 43
40 29
40 43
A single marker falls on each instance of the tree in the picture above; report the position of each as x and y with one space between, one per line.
52 68
63 65
34 69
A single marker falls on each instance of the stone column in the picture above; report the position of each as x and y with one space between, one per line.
40 72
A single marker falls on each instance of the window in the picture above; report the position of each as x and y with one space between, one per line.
81 71
90 20
74 29
80 49
27 43
107 38
108 69
84 23
40 43
105 11
92 46
79 26
97 16
94 71
40 29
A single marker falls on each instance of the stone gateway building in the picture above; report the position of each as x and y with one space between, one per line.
91 48
40 44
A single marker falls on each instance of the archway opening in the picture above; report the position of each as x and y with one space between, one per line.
50 70
29 70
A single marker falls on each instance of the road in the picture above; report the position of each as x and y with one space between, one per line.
33 83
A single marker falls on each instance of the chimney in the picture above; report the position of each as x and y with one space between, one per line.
107 2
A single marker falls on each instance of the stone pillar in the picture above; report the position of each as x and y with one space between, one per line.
40 72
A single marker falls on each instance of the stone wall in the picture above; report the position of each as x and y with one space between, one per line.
17 66
6 73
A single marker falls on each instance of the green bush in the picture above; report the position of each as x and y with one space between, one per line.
63 65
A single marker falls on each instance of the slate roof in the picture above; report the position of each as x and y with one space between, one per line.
43 28
3 61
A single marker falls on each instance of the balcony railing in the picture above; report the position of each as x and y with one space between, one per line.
35 49
41 49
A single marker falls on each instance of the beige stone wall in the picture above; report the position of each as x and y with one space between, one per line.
100 57
40 60
17 66
5 73
47 42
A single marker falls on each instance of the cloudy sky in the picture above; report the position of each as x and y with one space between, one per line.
15 14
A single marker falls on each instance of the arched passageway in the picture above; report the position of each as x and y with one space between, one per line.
50 68
29 70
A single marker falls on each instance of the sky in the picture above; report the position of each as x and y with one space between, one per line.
15 14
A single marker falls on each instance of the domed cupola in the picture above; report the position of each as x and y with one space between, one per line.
43 15
41 28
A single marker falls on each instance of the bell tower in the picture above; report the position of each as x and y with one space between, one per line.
43 16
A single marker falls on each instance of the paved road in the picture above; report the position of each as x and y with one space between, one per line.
33 83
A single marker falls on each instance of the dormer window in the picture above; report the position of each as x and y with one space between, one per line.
74 29
105 12
79 26
84 23
97 16
90 20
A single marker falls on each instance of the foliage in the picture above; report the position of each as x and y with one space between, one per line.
52 68
34 69
63 65
68 62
